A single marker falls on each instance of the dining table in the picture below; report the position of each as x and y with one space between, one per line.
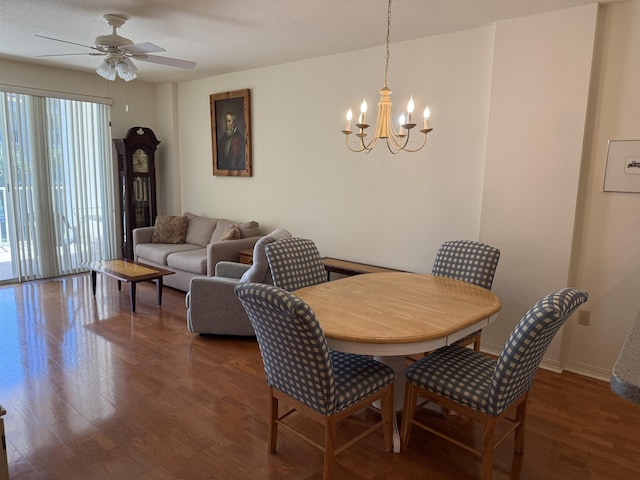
392 315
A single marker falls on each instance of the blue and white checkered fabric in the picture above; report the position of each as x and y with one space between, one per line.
295 263
488 385
466 260
296 358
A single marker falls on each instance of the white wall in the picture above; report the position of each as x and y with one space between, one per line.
608 231
378 208
539 96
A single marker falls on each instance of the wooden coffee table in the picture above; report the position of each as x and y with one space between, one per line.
130 272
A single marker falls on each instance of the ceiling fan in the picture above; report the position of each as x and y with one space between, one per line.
119 51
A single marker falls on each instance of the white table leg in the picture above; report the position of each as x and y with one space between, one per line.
398 364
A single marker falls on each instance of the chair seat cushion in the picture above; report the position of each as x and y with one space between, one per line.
454 372
357 377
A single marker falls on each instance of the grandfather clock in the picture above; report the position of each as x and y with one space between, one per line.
137 183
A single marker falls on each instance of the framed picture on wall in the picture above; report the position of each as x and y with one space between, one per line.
623 166
231 133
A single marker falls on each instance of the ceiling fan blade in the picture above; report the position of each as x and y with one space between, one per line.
142 48
66 41
65 54
171 62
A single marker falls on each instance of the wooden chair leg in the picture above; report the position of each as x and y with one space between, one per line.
487 447
476 342
409 408
329 447
273 424
521 413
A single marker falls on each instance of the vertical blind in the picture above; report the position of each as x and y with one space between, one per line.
59 184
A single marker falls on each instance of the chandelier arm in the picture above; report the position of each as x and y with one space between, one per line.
424 142
365 147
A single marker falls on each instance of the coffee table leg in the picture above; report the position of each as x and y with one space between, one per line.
132 295
94 274
119 285
159 290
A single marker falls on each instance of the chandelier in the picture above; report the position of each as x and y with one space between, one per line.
397 139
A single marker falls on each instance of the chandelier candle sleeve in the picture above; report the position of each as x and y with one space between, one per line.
426 115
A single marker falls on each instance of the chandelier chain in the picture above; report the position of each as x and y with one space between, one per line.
386 64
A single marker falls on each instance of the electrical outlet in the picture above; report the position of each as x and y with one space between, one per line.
584 317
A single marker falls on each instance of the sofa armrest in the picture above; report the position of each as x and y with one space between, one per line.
231 269
142 235
228 251
214 308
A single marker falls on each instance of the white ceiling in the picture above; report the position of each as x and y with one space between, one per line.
225 36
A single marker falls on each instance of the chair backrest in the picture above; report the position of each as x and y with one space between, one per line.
295 263
517 364
294 349
466 260
260 271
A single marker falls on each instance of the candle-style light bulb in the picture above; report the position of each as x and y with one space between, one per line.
349 117
426 115
402 121
363 106
363 110
410 107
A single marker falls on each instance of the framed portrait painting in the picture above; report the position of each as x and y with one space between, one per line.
231 133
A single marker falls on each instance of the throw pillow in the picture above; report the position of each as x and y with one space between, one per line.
248 229
232 233
169 229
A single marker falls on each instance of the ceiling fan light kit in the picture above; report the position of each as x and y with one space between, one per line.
120 50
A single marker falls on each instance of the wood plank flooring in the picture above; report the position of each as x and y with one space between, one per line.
93 391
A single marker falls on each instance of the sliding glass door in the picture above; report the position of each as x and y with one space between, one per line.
57 186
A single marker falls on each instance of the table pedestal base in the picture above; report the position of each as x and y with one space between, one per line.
398 364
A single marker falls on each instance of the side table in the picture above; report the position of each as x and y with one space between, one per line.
345 267
246 256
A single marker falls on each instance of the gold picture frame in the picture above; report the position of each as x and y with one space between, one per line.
231 133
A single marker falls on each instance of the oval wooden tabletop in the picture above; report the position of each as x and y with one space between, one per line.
397 307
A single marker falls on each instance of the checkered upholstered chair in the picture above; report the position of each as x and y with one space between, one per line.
472 262
295 263
487 389
303 372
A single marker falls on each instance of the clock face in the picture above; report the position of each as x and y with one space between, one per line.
140 161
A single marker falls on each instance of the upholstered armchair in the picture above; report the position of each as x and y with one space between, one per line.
212 305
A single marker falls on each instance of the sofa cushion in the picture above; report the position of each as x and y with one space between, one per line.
169 229
222 225
249 229
191 261
199 229
158 252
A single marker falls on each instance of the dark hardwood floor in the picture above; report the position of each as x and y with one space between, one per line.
95 392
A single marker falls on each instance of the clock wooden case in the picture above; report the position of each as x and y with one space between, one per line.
137 183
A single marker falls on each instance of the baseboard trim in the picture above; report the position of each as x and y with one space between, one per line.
556 366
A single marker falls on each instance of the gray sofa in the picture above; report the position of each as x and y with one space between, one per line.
212 305
204 245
